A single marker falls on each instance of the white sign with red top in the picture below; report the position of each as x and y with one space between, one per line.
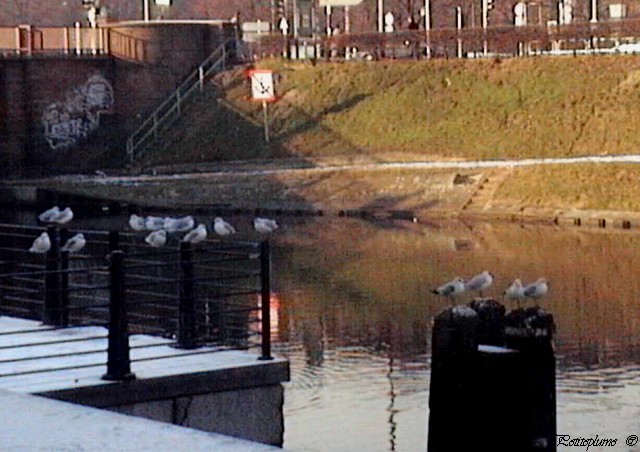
262 86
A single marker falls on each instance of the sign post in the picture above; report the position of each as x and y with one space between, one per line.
263 90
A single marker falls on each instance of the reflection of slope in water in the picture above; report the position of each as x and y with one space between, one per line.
366 270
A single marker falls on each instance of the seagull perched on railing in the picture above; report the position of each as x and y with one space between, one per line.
48 214
62 217
183 224
221 227
196 235
264 225
75 243
157 238
479 282
451 289
515 291
136 222
41 244
153 223
537 289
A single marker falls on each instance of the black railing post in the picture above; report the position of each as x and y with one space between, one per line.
118 360
186 336
265 297
114 240
51 311
63 312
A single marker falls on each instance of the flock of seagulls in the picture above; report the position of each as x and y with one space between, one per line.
159 229
516 290
42 243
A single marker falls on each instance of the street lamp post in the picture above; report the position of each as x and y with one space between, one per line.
427 25
458 28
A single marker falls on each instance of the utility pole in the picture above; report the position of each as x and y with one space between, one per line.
145 12
427 25
380 16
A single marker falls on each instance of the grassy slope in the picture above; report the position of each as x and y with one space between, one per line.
515 108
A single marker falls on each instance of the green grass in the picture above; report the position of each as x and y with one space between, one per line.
515 108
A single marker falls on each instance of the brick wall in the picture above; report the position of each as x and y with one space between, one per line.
73 114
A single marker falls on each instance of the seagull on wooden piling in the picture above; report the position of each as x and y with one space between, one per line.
153 223
48 214
479 282
75 243
451 289
222 228
264 225
196 235
136 222
62 217
41 244
157 238
515 291
537 289
183 224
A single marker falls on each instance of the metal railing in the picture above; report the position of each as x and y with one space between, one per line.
28 40
202 298
171 108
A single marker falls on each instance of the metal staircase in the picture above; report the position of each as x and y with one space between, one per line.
171 108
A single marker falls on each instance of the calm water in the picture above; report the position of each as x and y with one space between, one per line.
354 317
353 309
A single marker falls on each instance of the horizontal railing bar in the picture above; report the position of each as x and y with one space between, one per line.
38 344
59 355
53 369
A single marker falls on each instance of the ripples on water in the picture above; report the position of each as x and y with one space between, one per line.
354 311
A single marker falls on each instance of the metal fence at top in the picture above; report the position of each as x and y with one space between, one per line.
204 297
454 42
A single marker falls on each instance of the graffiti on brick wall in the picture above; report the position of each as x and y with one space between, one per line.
65 123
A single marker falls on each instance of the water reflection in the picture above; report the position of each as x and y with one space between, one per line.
353 309
356 306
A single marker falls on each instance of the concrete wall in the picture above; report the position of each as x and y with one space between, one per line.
254 414
73 113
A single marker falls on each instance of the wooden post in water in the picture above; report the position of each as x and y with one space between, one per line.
492 380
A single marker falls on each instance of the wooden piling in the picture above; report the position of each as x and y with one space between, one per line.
492 380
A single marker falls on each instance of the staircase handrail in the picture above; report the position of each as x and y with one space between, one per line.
171 107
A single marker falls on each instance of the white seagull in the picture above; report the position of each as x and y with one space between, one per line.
157 238
136 222
47 215
62 217
479 282
153 223
41 244
264 225
536 289
183 224
196 235
221 227
515 291
451 289
75 243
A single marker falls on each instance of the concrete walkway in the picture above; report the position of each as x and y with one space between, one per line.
31 423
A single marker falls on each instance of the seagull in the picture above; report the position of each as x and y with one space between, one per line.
479 282
63 216
47 215
183 224
157 238
196 235
515 291
222 227
153 223
451 289
264 225
41 244
74 244
136 222
536 289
